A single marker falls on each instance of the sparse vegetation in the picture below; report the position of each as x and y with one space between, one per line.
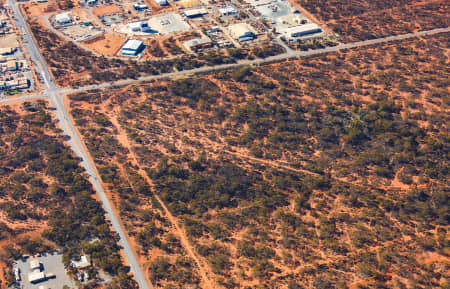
323 172
361 20
45 198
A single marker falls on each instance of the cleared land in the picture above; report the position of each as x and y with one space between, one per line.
368 19
35 9
105 10
106 44
319 173
46 201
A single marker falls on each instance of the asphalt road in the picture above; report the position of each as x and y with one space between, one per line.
259 61
63 116
55 96
22 97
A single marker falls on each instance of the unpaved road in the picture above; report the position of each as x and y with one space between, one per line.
55 95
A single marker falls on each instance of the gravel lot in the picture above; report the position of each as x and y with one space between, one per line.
50 263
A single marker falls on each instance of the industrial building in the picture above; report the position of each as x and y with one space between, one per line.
63 18
9 65
135 26
302 30
7 50
229 10
20 83
241 32
194 13
44 277
132 47
140 7
35 264
198 43
141 26
36 277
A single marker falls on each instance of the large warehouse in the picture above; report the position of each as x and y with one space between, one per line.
241 32
132 47
63 18
302 30
193 13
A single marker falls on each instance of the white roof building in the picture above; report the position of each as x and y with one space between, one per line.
195 12
140 26
63 18
161 2
36 277
35 264
82 263
135 26
7 50
132 45
140 7
229 10
302 30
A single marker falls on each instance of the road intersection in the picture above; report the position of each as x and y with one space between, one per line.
55 96
62 114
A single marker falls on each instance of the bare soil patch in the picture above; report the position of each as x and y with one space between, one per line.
106 44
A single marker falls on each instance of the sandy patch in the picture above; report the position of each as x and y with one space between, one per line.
106 44
34 9
105 10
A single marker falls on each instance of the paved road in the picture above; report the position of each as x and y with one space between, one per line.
284 56
55 96
22 97
68 128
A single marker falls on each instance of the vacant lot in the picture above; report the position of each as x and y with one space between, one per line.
106 44
35 9
46 201
106 10
367 19
318 173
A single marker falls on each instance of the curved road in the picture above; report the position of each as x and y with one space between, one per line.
75 142
55 96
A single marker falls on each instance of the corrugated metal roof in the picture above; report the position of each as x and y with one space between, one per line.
195 12
228 10
132 44
63 18
302 28
36 276
135 25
